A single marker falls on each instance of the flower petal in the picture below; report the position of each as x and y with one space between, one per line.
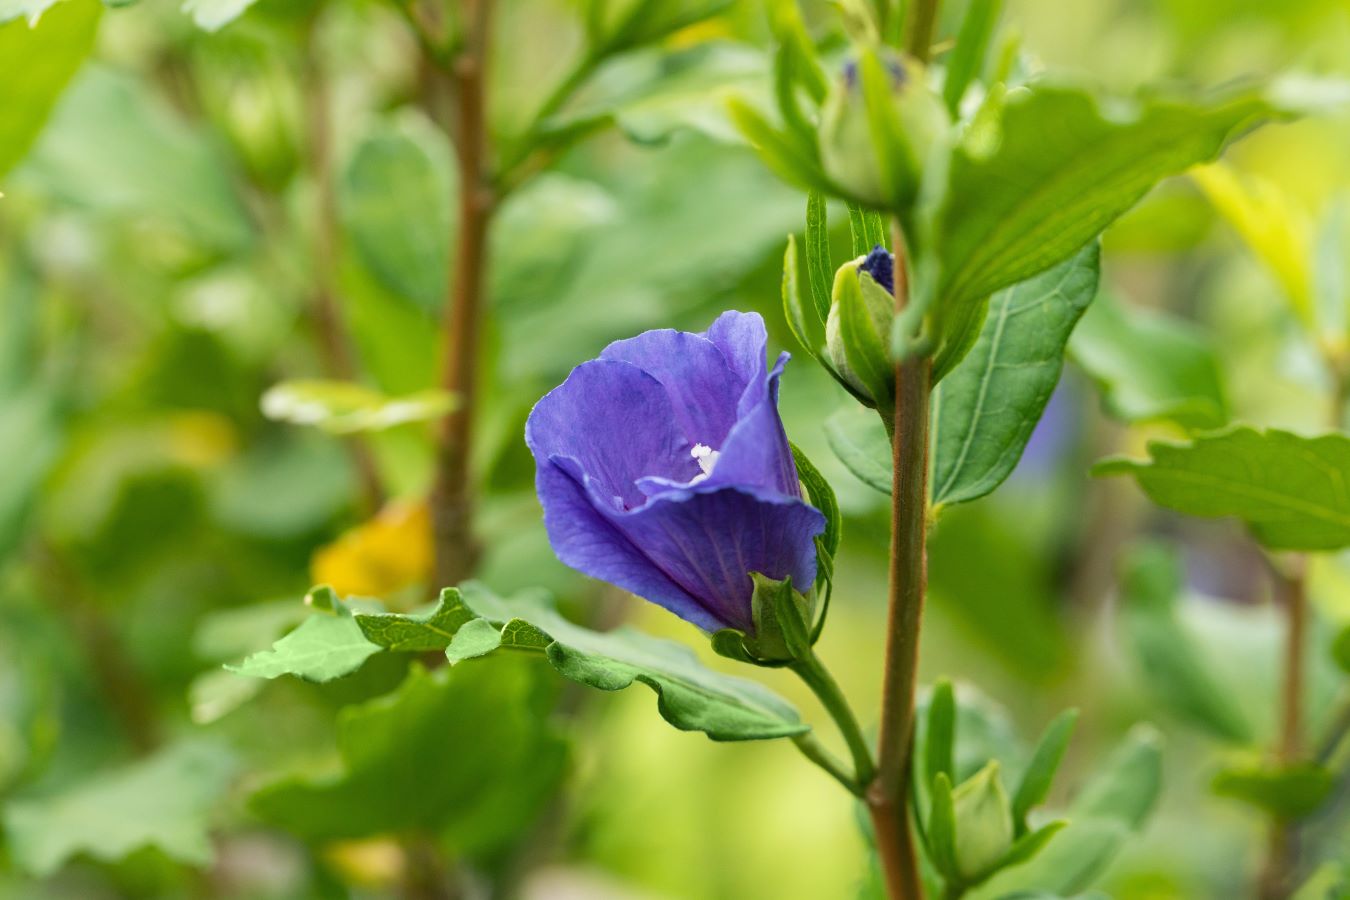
617 422
583 537
708 541
743 341
703 388
757 452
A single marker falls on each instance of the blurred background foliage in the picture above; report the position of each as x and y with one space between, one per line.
169 253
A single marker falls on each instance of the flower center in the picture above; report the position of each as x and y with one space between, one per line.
706 457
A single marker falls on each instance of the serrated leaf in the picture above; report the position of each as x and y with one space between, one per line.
985 410
344 407
689 696
164 801
466 750
418 633
1288 792
859 439
1065 167
1040 771
325 646
1170 662
1290 491
40 61
1150 366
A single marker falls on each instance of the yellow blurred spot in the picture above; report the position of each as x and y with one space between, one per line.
1271 225
378 557
375 863
201 439
700 33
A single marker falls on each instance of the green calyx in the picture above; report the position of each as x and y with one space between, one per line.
782 618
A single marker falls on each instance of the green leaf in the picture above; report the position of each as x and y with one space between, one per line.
467 750
867 228
1340 649
344 407
806 325
941 829
821 496
212 15
1150 366
972 45
325 646
985 411
164 802
1031 843
397 197
1107 813
40 62
1170 663
430 631
819 266
940 740
1289 490
1040 772
779 151
1290 792
689 696
858 438
1065 168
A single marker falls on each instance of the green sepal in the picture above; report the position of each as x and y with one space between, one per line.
939 750
1040 772
941 829
782 619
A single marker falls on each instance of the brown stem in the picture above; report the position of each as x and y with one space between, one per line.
888 795
1282 852
919 25
451 498
333 344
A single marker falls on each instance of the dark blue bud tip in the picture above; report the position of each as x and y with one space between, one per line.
894 66
881 266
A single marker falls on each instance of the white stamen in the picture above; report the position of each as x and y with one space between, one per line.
706 458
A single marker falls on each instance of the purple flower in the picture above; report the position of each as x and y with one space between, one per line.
663 468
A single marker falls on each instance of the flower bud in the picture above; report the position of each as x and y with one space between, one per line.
910 120
857 331
984 823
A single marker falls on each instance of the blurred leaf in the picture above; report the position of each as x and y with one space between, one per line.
213 15
1150 366
397 196
325 646
858 437
1289 490
940 738
1065 167
966 61
30 440
149 161
1108 811
164 802
1291 792
1269 224
343 407
39 61
985 410
1340 649
1329 882
652 93
1170 663
689 696
468 750
1040 772
389 552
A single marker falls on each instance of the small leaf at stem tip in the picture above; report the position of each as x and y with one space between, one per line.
805 324
1040 772
939 751
967 58
1289 792
818 262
